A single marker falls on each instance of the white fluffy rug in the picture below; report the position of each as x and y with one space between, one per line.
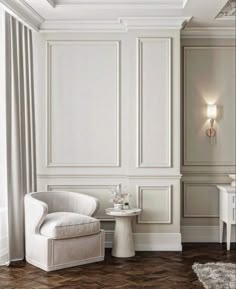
216 275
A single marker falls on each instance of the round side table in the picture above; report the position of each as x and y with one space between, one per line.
123 243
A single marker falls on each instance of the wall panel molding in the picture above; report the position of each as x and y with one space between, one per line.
201 94
49 161
62 176
87 189
168 202
208 32
186 201
166 123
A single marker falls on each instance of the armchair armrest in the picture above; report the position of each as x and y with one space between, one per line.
35 213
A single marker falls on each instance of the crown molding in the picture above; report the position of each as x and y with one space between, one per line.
82 26
51 3
121 4
208 32
122 24
23 12
155 22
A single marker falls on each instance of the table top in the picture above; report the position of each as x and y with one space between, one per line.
123 213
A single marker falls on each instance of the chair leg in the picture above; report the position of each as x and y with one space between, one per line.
228 236
221 232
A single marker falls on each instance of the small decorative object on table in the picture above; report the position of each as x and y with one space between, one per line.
119 200
126 206
233 177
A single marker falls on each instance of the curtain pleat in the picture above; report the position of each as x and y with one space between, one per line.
22 178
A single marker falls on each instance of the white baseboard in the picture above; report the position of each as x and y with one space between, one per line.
206 234
172 241
151 241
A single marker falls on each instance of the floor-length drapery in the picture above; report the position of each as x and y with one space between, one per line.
20 132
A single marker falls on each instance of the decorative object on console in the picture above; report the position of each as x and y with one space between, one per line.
119 199
211 114
233 177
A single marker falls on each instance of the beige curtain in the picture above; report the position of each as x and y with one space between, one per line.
20 136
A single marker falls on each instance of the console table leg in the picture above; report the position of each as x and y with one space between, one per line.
221 227
228 235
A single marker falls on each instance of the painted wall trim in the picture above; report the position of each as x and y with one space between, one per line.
208 32
79 176
50 45
172 241
140 199
186 161
140 42
121 4
122 24
203 234
23 12
151 241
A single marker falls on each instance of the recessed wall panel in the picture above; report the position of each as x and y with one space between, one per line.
201 200
155 202
209 74
83 104
154 102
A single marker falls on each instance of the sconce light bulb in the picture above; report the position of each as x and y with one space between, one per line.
212 111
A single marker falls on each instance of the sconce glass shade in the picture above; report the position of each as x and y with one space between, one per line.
212 111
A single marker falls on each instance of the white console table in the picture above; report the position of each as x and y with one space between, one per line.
123 244
227 211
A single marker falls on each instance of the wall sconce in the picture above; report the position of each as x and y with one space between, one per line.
211 114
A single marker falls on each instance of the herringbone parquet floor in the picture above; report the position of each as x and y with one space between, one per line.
149 270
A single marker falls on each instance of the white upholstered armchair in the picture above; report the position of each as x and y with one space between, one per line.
60 230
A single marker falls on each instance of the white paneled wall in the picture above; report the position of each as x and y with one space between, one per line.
108 116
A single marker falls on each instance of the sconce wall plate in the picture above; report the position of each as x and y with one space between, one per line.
211 132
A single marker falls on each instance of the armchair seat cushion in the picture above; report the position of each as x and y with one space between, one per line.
63 225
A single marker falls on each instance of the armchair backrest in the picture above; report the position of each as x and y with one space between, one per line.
62 201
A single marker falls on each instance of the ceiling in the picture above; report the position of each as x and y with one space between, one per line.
72 15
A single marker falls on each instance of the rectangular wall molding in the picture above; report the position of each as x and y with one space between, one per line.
202 201
88 70
154 144
101 192
156 204
205 83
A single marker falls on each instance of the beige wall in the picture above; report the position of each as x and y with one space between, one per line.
208 75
